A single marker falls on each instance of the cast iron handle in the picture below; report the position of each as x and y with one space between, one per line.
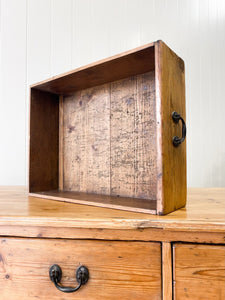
55 274
176 140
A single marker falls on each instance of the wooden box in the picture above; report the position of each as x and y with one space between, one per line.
103 134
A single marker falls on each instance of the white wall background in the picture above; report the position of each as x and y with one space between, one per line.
42 38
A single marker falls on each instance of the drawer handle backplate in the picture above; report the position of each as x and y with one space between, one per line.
55 274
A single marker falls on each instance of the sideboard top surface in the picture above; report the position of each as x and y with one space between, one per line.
205 211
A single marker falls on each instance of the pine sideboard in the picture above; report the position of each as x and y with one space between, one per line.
129 255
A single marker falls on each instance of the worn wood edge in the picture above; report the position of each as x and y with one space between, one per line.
158 81
98 204
29 144
189 226
102 61
61 142
174 270
148 234
167 271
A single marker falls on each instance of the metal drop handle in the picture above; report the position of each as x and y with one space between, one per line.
176 140
55 274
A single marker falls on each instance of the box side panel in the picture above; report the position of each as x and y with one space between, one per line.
171 97
44 141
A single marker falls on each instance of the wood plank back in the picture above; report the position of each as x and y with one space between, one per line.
109 144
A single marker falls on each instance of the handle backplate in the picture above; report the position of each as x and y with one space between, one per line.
55 274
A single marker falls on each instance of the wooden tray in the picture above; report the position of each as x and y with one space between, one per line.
103 134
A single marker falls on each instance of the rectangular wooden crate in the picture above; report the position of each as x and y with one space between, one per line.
103 134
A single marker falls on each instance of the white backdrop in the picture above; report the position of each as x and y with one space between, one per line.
42 38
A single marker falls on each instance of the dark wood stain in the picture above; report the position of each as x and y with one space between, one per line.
44 141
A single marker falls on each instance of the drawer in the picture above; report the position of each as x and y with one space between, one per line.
122 270
199 272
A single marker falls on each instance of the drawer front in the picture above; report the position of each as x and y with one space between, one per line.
198 272
122 270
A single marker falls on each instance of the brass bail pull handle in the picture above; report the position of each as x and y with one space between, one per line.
176 140
55 274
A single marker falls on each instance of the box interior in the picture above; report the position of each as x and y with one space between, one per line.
93 135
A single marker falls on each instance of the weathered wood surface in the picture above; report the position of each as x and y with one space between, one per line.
149 234
199 272
110 139
122 270
171 161
87 141
133 137
203 220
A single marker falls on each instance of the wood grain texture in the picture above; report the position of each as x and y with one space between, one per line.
109 140
44 141
61 138
125 270
170 96
122 203
203 220
136 61
199 271
139 234
205 210
133 137
87 141
167 271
